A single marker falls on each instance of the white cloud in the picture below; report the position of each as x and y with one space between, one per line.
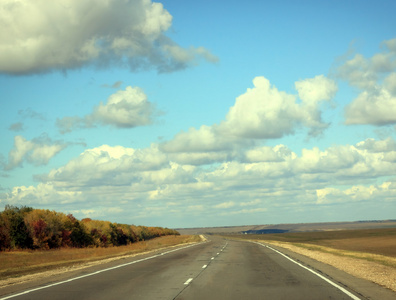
390 84
204 139
201 158
37 151
245 211
373 145
334 159
263 112
100 32
42 194
127 108
265 179
124 109
109 166
372 107
268 154
313 90
225 204
386 190
376 79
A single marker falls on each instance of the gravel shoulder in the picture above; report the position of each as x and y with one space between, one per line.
361 268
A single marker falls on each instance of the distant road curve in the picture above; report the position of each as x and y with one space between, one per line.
216 269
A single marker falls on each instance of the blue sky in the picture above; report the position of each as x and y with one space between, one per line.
199 113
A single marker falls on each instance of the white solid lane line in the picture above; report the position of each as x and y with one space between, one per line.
312 271
97 272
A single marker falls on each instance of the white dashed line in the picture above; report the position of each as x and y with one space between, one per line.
97 272
188 281
204 266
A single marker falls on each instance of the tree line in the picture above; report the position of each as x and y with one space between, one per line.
28 228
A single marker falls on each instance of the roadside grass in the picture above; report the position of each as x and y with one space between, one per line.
375 245
377 268
376 241
22 262
377 258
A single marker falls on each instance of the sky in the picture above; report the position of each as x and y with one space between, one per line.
199 113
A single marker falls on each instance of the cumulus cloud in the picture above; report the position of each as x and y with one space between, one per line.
315 89
263 112
372 107
372 145
265 177
38 151
268 154
102 33
356 193
42 194
117 165
375 77
125 109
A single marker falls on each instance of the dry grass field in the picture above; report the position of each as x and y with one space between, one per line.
17 263
294 227
381 241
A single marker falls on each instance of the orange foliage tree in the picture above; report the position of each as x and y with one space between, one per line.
26 227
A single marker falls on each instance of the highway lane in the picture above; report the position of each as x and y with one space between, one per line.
218 269
159 276
250 271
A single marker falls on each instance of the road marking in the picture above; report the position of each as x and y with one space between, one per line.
97 272
212 258
188 281
204 266
312 271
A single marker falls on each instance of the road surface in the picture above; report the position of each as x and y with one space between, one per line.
218 269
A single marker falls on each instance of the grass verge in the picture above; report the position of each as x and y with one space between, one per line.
18 263
379 269
376 258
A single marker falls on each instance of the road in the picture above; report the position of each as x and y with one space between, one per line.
218 269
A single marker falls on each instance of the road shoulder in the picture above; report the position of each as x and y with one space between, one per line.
339 272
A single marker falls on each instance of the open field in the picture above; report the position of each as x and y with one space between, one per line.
293 227
17 263
375 241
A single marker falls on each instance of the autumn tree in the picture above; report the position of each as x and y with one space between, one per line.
19 234
25 227
5 239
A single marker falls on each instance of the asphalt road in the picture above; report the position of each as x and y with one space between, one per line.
218 269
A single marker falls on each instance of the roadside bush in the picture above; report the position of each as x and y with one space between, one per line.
28 228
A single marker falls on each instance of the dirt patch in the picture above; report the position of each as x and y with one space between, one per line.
367 266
